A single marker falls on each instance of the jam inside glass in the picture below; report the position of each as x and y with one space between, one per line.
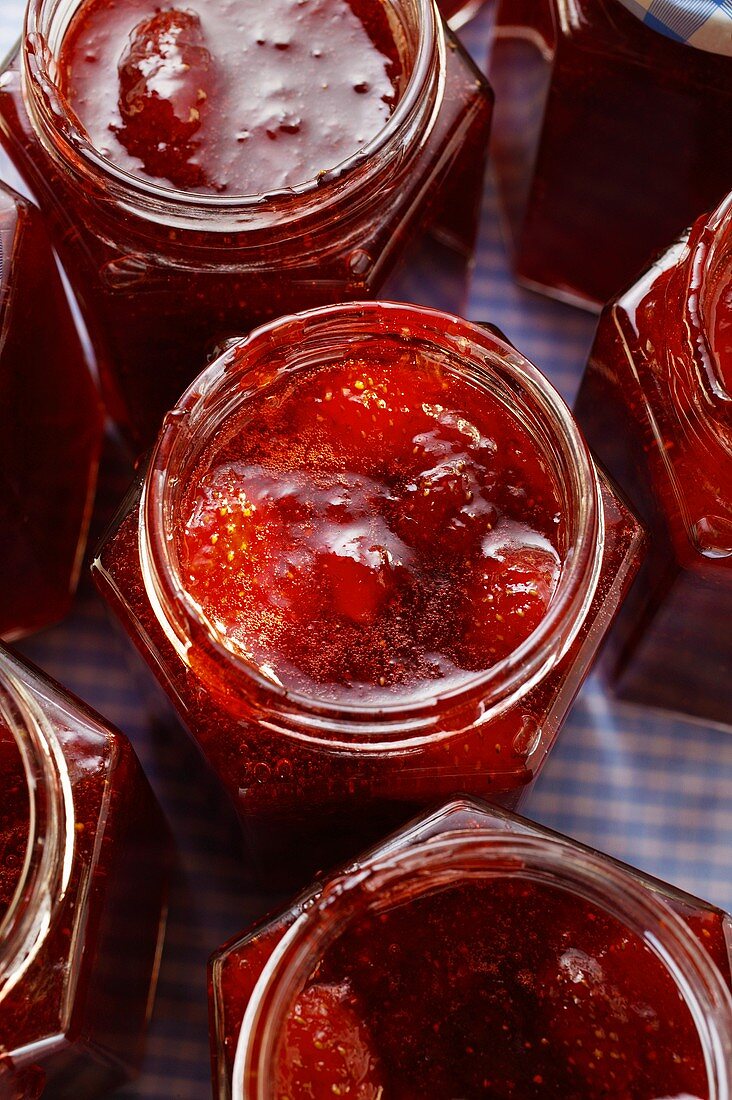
609 139
366 182
661 367
84 855
477 954
52 425
260 578
231 97
372 531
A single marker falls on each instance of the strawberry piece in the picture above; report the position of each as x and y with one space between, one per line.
443 511
326 1048
163 88
616 1017
509 594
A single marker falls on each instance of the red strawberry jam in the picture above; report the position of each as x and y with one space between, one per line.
371 529
14 817
547 996
474 954
231 96
327 1048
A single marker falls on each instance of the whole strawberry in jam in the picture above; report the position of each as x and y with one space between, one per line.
164 86
326 1048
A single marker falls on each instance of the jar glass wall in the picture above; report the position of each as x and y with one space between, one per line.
51 429
541 974
83 869
661 367
609 140
164 276
325 767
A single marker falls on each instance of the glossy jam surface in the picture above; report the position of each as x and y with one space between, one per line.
495 989
14 819
232 96
376 529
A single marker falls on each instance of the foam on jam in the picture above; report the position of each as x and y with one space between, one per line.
234 97
373 529
490 990
14 817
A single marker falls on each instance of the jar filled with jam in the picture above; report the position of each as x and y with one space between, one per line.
656 405
371 561
52 426
210 166
476 954
84 854
611 134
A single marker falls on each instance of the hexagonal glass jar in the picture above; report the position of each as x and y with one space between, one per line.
328 774
84 854
52 427
287 958
165 276
656 406
609 139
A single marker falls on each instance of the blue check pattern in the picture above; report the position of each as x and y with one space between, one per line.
654 791
703 23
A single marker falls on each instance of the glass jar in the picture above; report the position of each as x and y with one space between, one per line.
330 772
661 367
165 276
52 428
609 139
83 865
555 934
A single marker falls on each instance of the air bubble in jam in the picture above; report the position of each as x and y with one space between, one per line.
236 98
371 528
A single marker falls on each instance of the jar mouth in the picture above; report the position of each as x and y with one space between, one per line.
49 850
456 858
300 342
45 25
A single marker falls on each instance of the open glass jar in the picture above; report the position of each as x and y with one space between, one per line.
656 405
52 426
327 765
609 137
164 275
477 951
84 856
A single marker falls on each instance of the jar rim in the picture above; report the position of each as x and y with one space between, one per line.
450 858
711 246
474 347
46 99
49 851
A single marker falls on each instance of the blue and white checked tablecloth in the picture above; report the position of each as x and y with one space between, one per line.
705 24
653 791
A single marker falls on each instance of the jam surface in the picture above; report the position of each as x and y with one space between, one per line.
14 817
232 96
546 996
373 530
